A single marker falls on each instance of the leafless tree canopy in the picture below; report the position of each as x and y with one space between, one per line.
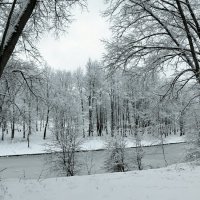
151 34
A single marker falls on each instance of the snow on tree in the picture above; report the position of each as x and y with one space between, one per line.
27 20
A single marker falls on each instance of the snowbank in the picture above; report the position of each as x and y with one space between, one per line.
173 183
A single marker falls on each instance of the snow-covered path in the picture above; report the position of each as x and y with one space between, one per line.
173 183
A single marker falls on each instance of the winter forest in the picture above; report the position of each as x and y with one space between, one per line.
126 125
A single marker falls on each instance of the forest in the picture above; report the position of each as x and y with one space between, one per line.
144 87
95 101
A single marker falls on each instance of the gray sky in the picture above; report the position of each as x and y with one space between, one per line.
81 42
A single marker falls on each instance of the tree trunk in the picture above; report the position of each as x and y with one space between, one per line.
112 107
29 118
36 122
13 129
82 110
24 128
46 124
90 116
13 123
3 131
24 121
7 47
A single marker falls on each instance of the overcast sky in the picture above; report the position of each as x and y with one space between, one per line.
81 42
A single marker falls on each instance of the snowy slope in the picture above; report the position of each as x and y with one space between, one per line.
180 182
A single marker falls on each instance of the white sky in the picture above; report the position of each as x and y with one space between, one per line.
81 42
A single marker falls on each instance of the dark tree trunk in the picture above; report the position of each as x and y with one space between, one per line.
13 129
3 130
37 111
112 115
24 128
13 124
24 121
29 118
82 110
46 124
40 124
181 124
90 133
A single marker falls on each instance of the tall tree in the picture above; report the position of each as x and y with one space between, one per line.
150 35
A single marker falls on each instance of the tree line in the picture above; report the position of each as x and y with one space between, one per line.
94 101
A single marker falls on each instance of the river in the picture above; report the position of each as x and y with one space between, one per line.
91 162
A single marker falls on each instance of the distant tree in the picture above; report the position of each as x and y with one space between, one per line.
47 97
97 94
91 87
80 84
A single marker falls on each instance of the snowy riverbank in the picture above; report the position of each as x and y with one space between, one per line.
18 146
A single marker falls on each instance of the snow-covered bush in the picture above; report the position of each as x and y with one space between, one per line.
193 149
116 160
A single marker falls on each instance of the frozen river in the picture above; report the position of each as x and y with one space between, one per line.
41 166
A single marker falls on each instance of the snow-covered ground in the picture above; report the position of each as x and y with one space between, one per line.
18 146
100 143
177 182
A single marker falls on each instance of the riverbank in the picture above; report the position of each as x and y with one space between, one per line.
18 146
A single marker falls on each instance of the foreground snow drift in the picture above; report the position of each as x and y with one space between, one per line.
180 182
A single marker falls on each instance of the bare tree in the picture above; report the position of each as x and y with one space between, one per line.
151 35
80 86
67 141
48 101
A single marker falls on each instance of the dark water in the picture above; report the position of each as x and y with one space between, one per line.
91 162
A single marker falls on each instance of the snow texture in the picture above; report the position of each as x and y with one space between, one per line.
177 182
